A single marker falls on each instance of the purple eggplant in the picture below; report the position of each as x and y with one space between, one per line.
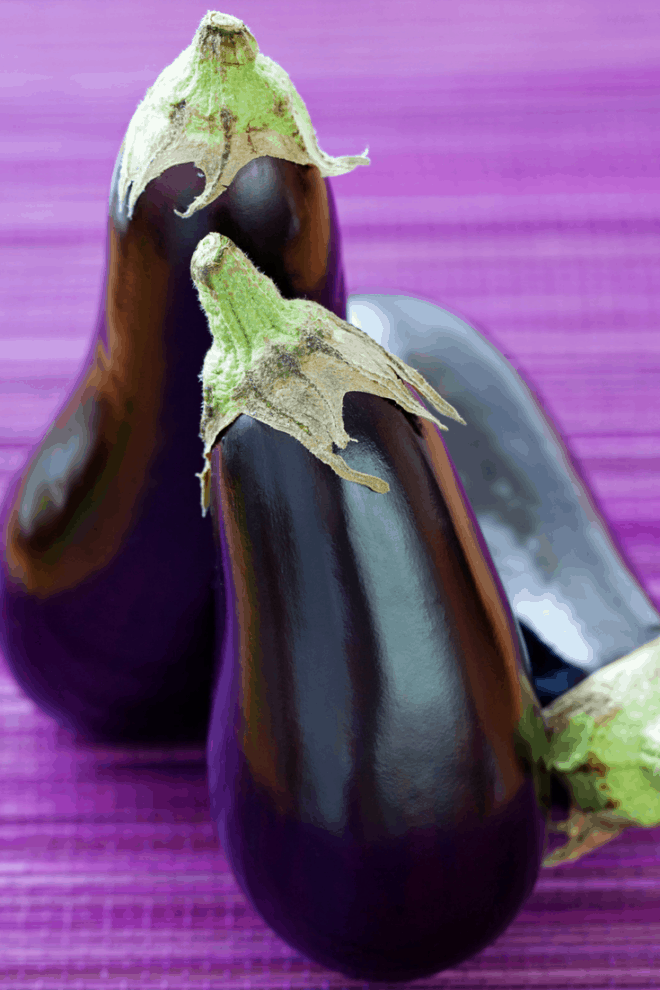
578 600
372 784
107 580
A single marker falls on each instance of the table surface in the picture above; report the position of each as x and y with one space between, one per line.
514 181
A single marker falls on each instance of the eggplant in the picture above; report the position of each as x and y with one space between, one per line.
107 579
374 740
591 631
577 598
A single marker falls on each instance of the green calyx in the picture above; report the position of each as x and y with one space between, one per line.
246 313
605 745
289 363
220 104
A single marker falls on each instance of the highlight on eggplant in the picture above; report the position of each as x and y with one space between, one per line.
108 571
376 751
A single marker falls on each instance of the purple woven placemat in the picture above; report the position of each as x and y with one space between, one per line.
515 152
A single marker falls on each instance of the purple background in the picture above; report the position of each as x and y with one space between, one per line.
514 152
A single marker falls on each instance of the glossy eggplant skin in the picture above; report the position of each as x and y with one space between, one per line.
578 600
108 574
365 772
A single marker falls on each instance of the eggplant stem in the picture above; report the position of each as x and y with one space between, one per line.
220 104
289 363
605 747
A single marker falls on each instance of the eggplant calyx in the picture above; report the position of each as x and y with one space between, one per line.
289 363
220 104
605 746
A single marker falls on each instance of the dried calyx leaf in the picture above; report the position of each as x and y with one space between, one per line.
289 363
220 104
605 745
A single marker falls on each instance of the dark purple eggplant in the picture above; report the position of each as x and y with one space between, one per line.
108 572
362 752
372 784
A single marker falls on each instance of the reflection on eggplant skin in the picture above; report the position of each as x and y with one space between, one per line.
363 767
576 597
108 574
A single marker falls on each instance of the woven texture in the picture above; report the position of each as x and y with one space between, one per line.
514 168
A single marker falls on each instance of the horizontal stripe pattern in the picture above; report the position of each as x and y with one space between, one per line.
514 152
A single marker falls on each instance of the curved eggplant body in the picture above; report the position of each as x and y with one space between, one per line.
578 601
365 766
108 575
